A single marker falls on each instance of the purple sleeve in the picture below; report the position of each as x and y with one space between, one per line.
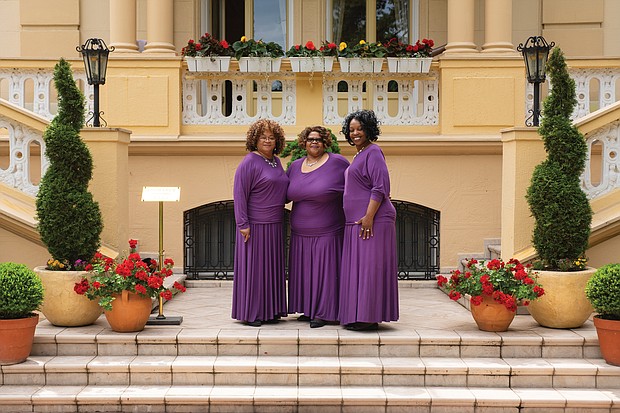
379 176
241 193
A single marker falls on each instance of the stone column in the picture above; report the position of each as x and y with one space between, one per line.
523 149
123 26
110 186
159 26
461 26
498 27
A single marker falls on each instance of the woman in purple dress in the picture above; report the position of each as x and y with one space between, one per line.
317 224
259 289
369 274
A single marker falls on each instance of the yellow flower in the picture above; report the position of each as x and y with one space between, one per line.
342 46
362 41
243 39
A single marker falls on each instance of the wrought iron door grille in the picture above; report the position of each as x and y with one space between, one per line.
210 233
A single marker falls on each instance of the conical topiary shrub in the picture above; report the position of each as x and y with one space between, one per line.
559 206
70 222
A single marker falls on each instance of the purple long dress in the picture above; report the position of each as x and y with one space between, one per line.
369 274
317 223
259 284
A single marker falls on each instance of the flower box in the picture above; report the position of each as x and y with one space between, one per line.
361 65
212 64
409 64
191 63
259 64
312 64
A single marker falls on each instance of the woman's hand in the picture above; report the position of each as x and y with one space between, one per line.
366 227
246 234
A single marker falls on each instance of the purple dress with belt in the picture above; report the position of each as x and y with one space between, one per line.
369 273
259 284
317 223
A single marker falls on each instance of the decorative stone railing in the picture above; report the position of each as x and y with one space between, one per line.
602 172
414 97
33 89
595 88
413 102
25 145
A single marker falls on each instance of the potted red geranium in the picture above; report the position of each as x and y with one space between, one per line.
309 58
495 289
409 58
126 288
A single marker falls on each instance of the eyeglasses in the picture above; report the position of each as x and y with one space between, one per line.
315 140
267 138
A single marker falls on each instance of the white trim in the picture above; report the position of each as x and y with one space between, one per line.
328 20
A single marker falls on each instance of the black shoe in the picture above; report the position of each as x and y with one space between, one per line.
362 326
317 323
303 317
272 321
255 323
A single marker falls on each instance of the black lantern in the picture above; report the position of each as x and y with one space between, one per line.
535 53
95 54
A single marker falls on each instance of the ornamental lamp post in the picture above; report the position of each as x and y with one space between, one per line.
95 54
535 53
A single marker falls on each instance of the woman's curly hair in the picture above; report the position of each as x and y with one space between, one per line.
256 130
323 133
369 122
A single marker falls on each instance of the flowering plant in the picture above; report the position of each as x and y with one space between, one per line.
361 49
329 49
308 50
192 48
510 283
256 48
396 48
210 46
130 273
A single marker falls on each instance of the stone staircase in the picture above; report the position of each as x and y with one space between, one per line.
292 368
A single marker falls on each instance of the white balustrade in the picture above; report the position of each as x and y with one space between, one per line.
589 98
415 102
20 140
203 99
604 144
33 89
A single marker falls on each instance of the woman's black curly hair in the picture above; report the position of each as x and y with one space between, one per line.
369 122
257 129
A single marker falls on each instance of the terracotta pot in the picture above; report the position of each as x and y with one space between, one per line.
130 312
62 306
608 332
564 304
491 315
16 336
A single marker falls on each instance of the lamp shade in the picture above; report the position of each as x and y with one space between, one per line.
95 54
535 53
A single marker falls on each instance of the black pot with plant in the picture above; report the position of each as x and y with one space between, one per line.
603 291
21 293
560 208
70 222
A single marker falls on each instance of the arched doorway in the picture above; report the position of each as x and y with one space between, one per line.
209 234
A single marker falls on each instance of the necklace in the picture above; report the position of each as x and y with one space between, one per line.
271 162
360 151
311 164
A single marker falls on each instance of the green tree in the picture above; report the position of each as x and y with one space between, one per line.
560 208
70 222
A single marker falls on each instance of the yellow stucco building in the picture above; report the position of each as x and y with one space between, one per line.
459 153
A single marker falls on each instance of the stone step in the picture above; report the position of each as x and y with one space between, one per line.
98 339
312 371
301 399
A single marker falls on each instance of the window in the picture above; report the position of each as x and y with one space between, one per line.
351 22
270 21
